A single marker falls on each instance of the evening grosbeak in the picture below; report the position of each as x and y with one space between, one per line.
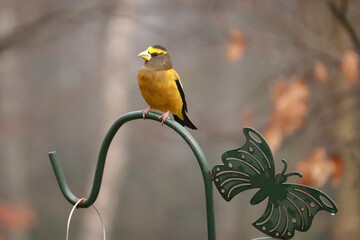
160 86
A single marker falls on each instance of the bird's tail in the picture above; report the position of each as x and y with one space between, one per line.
186 122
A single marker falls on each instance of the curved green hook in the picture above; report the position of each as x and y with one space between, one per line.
102 158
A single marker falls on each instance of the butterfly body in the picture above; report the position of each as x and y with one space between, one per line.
262 194
290 206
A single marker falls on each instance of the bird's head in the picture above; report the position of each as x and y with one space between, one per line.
156 57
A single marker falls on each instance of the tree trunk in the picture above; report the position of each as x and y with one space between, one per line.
13 98
348 218
116 76
346 134
12 140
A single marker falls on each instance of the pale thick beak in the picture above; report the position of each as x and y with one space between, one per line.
145 55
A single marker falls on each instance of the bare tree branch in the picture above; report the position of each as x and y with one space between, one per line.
28 30
21 33
340 14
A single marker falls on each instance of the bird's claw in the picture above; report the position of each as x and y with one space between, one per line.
145 111
164 117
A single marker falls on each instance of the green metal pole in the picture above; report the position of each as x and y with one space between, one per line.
205 170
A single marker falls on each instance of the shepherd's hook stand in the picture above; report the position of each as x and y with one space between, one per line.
205 170
290 207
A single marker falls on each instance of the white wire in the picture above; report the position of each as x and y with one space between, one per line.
102 221
70 216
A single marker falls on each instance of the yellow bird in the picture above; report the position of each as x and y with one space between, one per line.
160 86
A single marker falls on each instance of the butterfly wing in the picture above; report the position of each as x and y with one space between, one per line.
291 208
249 166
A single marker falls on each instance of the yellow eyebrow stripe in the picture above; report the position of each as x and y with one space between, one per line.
152 50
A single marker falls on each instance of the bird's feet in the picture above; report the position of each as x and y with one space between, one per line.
164 117
145 111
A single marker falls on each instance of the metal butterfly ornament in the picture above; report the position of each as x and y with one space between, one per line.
290 207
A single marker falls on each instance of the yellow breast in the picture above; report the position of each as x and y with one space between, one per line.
159 90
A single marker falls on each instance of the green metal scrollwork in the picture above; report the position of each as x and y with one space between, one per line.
205 170
290 206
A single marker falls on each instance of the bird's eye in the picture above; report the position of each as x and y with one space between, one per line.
154 54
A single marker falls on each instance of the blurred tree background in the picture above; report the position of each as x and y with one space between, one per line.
68 70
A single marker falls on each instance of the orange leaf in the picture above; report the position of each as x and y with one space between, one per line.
16 217
318 168
235 46
350 66
273 136
248 116
320 71
338 171
290 105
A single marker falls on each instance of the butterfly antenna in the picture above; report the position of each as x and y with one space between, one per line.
285 166
289 174
294 173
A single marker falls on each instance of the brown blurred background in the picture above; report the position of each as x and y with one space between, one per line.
68 70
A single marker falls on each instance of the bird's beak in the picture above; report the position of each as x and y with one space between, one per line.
145 55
